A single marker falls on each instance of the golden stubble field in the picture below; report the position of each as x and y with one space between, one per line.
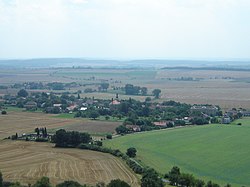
26 122
28 161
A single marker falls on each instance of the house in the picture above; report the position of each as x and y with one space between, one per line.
89 102
225 119
205 109
71 108
134 128
160 123
115 102
187 120
83 108
232 113
30 105
57 105
246 113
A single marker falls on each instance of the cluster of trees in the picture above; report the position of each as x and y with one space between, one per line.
22 93
40 85
3 87
200 120
104 86
89 113
150 178
45 182
130 89
56 86
41 131
131 152
64 138
177 178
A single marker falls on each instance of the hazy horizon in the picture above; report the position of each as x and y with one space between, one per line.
125 29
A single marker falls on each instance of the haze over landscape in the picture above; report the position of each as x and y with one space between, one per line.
125 29
124 93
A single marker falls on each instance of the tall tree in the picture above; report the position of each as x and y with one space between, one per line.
174 175
156 93
1 179
94 114
131 152
199 183
22 93
104 86
144 91
151 179
61 138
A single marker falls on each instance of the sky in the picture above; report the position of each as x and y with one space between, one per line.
125 29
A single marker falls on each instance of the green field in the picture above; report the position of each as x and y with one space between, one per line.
214 152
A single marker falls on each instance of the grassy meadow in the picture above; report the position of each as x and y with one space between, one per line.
212 152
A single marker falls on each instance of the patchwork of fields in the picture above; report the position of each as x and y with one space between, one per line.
225 88
212 152
26 162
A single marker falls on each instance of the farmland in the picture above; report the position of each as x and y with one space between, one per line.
25 122
225 88
28 161
213 152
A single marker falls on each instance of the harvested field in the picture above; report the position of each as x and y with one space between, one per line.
229 89
28 161
25 122
93 126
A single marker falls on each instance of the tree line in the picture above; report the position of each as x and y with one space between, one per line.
64 138
130 89
177 178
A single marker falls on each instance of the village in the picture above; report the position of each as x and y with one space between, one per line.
136 115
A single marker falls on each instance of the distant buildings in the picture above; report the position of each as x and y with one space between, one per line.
226 119
210 110
30 105
115 102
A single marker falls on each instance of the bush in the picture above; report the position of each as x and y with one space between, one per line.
41 140
109 136
4 112
131 152
151 178
69 184
135 166
118 183
98 143
107 117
